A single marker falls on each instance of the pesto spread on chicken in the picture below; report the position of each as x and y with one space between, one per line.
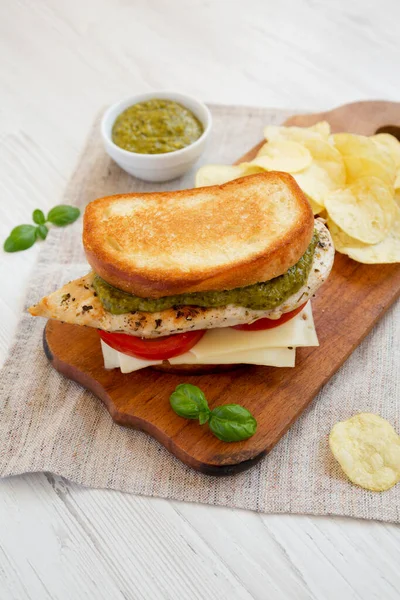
259 296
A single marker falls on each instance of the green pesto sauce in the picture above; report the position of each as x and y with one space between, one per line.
156 127
260 296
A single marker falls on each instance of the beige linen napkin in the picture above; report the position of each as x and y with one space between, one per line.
48 423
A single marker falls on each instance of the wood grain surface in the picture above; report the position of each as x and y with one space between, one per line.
365 118
352 300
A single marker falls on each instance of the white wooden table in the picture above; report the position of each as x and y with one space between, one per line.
62 61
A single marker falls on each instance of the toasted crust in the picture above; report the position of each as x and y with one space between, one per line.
213 238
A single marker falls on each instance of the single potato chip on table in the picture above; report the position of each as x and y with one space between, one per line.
368 450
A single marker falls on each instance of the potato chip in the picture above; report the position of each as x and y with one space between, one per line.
350 144
363 157
316 184
219 174
283 156
247 168
384 156
341 240
397 182
329 158
364 210
316 208
390 144
387 251
297 134
358 167
323 128
368 450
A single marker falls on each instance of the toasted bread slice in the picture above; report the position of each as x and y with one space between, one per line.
212 238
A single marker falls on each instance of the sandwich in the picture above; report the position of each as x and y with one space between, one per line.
195 279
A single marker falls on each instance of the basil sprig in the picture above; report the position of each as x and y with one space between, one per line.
229 423
24 236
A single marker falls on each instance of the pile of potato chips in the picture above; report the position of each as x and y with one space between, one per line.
351 180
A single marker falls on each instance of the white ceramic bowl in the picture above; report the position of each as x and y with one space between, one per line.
156 167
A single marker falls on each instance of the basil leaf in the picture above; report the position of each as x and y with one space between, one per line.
188 401
63 214
204 416
38 217
232 423
42 231
21 238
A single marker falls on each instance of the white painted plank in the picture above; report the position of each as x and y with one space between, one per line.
351 553
153 539
47 554
251 552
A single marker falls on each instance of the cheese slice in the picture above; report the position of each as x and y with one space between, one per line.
118 360
110 356
271 347
269 357
299 331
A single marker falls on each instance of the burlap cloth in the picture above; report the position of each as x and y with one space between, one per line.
48 423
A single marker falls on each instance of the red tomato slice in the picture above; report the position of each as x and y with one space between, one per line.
269 323
158 349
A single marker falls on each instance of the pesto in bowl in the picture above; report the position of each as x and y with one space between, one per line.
156 126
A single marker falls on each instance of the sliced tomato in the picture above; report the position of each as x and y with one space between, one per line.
158 349
269 323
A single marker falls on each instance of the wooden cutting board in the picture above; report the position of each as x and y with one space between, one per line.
345 309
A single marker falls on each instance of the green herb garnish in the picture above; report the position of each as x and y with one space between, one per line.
21 238
229 423
63 214
232 423
24 236
38 217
